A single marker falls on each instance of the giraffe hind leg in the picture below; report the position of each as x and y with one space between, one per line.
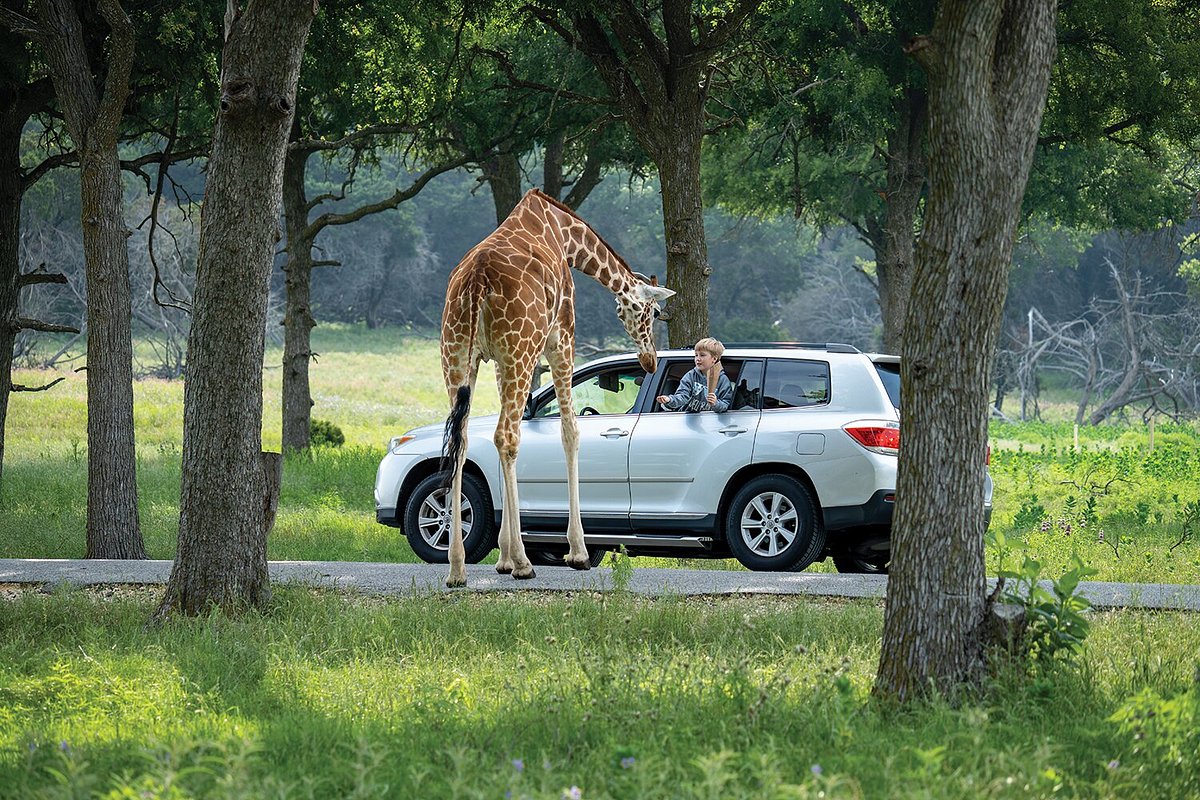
560 368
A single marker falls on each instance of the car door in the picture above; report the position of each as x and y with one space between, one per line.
679 462
603 400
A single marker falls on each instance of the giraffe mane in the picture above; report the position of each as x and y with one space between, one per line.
561 206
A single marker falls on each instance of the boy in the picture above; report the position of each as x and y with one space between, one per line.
705 388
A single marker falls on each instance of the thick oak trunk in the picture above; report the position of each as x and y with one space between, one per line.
503 174
298 320
988 67
221 560
93 120
683 226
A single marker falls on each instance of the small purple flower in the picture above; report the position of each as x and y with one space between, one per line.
508 795
1114 763
816 769
518 765
1045 525
32 746
574 793
66 748
1100 536
627 762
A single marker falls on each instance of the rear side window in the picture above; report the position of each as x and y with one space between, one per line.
890 375
796 384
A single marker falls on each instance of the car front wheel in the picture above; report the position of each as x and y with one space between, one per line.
773 525
427 520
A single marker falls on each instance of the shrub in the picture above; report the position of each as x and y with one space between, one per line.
323 433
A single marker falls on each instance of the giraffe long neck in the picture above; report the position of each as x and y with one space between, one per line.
587 252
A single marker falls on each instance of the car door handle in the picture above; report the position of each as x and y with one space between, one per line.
731 430
614 433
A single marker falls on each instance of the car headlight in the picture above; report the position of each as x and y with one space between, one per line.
396 441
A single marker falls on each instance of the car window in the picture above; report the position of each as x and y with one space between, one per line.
796 384
611 391
890 375
746 377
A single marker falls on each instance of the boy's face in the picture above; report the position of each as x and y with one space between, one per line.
704 359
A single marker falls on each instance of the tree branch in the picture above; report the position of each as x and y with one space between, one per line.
39 275
18 387
27 324
23 25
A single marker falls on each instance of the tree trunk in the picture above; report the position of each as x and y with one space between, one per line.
221 560
988 66
503 173
298 320
113 530
683 226
10 265
905 182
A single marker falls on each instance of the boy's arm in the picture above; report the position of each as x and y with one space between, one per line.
682 393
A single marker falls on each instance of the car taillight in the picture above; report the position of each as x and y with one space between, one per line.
877 436
987 458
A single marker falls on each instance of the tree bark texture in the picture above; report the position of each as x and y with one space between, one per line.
503 173
905 183
298 320
10 265
988 66
221 560
93 120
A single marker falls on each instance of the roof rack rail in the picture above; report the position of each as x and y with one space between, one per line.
831 347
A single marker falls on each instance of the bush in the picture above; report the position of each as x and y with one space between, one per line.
323 433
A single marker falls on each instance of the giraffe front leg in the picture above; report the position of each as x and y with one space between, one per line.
458 554
577 555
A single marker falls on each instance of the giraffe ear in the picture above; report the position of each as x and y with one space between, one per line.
649 293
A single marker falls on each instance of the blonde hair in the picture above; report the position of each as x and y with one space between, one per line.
711 346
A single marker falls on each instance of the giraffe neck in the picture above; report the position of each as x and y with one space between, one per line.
586 250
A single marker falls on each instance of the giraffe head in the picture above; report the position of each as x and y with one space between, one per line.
638 307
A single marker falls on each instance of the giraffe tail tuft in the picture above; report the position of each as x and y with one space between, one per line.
452 439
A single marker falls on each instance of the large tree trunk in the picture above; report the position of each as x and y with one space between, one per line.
10 266
905 182
298 320
503 174
94 121
221 559
678 157
988 66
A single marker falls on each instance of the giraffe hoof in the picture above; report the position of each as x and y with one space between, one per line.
455 583
503 568
524 574
579 562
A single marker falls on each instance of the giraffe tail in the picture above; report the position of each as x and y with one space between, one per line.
452 439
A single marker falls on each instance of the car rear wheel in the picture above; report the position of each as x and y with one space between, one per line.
555 558
427 520
853 563
773 525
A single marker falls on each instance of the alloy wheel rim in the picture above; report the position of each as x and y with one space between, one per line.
433 519
769 524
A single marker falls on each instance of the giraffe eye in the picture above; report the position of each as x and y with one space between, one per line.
656 313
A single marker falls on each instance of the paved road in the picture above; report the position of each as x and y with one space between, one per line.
398 579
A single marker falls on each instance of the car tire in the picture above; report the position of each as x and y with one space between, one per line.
854 564
427 524
773 525
555 558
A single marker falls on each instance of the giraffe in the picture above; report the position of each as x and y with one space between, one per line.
511 299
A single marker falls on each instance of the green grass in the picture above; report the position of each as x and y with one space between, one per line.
376 384
437 696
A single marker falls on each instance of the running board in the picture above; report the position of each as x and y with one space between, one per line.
629 540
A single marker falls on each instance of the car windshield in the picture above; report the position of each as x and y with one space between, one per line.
890 375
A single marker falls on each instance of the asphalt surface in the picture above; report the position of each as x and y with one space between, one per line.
401 579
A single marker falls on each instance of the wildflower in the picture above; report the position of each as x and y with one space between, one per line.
518 764
627 762
508 795
66 748
816 769
1100 535
1114 763
1045 526
574 793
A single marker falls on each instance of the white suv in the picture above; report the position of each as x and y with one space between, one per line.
801 467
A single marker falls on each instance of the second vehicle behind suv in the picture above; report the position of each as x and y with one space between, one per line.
801 467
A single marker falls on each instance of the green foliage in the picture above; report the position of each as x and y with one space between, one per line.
1163 738
323 433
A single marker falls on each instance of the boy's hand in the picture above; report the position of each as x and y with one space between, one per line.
662 398
712 399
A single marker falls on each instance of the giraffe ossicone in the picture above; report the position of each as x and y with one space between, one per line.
511 300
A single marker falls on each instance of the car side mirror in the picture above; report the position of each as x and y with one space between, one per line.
528 413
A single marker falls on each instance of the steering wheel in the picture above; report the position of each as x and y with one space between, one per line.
587 410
